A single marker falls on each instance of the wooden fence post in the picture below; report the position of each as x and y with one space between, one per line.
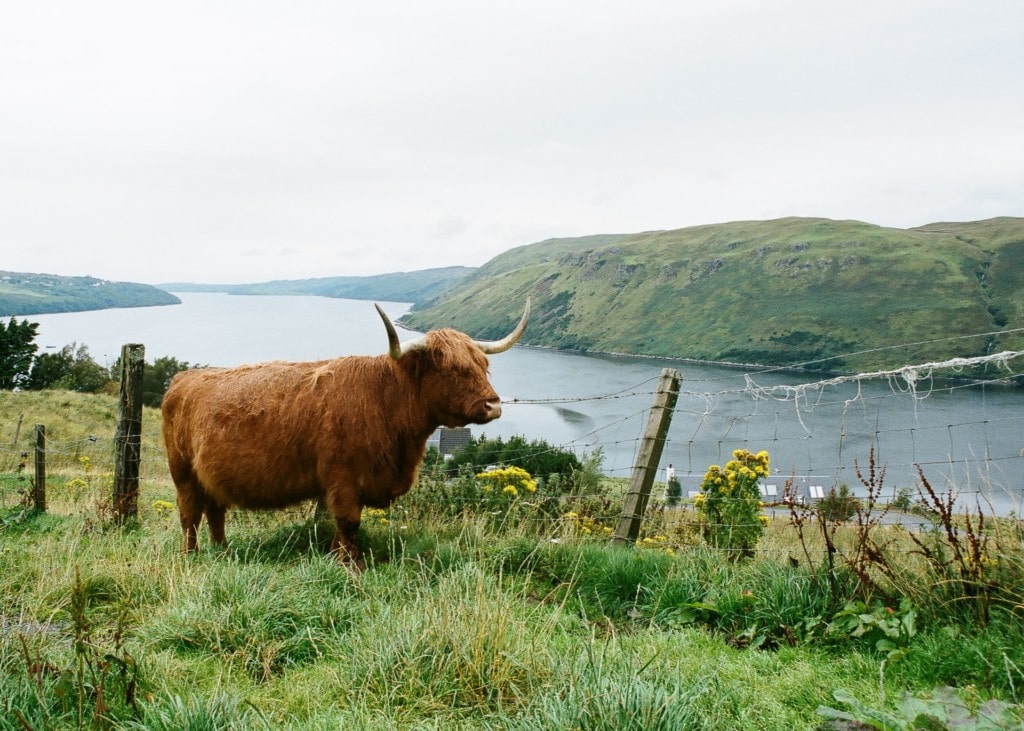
39 487
128 439
648 457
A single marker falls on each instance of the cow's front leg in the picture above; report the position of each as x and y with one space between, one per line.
347 514
344 543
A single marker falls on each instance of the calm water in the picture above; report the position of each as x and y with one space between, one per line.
971 438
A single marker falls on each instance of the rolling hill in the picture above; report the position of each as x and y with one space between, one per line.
418 286
36 294
794 292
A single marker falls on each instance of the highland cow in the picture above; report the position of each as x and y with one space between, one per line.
349 432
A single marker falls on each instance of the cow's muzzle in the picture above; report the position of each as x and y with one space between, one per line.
492 410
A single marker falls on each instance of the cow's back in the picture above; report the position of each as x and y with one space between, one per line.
246 435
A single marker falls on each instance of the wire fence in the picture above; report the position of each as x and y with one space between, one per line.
967 438
820 433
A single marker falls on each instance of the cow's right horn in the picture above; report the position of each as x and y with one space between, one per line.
500 346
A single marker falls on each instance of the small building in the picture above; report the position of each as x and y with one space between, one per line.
451 440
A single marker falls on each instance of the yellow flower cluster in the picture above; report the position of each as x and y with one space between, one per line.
163 506
744 468
509 480
982 564
730 501
584 525
657 542
375 515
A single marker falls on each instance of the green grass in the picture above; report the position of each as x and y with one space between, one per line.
459 622
451 626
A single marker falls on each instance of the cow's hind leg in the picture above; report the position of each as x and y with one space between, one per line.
191 497
215 520
191 503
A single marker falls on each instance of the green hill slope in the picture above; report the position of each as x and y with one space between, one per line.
786 292
415 286
36 294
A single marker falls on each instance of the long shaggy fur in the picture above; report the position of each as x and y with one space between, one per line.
349 432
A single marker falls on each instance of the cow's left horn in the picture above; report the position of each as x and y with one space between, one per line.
394 345
500 346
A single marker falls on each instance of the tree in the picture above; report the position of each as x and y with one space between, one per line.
673 491
86 375
72 369
157 377
49 368
17 347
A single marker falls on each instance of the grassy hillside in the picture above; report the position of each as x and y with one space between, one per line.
785 292
496 617
419 286
35 294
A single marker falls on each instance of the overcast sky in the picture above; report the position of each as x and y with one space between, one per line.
255 140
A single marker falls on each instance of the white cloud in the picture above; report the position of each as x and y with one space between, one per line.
258 140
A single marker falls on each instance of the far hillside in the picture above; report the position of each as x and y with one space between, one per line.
35 294
808 292
418 286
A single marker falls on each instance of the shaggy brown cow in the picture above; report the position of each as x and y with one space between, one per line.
350 432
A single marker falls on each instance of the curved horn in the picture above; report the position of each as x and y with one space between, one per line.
396 348
500 346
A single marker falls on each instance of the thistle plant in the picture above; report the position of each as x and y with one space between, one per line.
730 503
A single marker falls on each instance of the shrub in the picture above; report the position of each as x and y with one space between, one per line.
537 457
839 505
904 500
673 491
730 502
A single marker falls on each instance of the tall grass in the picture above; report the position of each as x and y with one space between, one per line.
463 620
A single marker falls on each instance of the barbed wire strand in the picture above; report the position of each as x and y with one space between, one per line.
905 380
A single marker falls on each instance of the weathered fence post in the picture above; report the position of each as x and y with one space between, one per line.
648 457
39 487
128 439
